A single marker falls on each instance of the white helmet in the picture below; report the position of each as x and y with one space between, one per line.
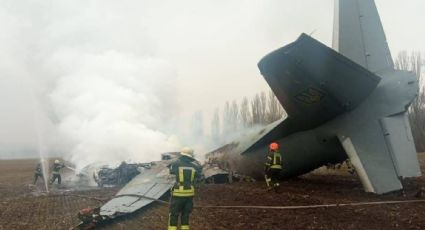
186 151
57 161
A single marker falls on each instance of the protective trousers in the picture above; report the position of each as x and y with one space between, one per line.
56 176
272 176
180 206
36 176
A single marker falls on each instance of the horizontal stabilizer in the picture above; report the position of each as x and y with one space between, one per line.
314 83
400 142
370 156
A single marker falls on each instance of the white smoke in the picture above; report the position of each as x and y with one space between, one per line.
109 95
111 106
110 74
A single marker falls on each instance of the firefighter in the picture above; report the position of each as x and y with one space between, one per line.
188 172
273 166
38 173
57 166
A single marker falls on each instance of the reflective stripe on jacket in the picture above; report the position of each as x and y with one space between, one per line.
274 161
186 171
186 177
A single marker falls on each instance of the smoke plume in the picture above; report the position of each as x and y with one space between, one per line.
119 80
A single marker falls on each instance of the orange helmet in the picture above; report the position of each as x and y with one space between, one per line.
274 146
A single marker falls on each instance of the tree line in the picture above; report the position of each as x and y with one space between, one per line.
261 109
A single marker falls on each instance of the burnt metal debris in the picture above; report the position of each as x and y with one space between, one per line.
120 175
216 171
144 183
149 185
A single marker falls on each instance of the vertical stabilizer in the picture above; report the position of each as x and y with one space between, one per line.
359 35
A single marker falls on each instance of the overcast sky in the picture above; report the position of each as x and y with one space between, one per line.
196 54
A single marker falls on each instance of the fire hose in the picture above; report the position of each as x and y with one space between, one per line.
310 206
292 207
90 225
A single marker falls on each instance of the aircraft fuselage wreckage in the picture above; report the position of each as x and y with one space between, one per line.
345 102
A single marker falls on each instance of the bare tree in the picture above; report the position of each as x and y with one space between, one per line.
275 110
245 116
413 62
226 129
263 108
402 61
234 115
215 127
256 110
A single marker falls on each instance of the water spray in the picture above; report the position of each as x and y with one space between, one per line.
70 168
41 147
41 144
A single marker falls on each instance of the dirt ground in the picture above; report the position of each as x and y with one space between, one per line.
23 206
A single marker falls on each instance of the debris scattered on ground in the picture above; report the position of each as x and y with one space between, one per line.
215 172
90 218
19 209
118 176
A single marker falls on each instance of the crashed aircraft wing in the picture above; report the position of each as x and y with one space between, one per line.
150 184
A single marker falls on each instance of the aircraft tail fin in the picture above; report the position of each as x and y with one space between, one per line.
314 83
359 35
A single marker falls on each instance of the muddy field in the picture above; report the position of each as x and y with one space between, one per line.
25 207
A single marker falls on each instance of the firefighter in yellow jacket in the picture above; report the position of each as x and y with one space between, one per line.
188 171
273 166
